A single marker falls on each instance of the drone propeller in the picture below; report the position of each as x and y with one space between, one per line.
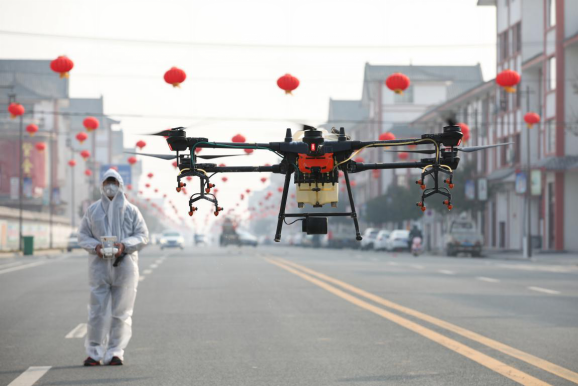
169 157
470 149
298 136
175 131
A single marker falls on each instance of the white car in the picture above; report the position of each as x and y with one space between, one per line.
397 240
380 240
368 240
172 240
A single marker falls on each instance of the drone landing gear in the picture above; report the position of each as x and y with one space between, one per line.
315 223
433 171
204 194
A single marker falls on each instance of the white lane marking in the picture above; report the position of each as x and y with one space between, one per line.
30 376
24 266
539 268
446 272
159 261
141 278
417 266
488 279
392 263
544 290
147 271
78 332
153 266
10 264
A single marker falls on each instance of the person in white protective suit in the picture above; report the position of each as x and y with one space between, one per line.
112 289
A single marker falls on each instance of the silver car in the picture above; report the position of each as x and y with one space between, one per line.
398 240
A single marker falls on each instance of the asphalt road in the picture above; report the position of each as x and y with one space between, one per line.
294 316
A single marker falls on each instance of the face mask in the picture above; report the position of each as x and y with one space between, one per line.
110 190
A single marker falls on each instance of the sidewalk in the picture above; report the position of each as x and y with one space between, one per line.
41 252
562 258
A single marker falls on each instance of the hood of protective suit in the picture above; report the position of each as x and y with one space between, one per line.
114 208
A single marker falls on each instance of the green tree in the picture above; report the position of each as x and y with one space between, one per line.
396 205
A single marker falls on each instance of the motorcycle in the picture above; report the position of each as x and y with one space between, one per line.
416 247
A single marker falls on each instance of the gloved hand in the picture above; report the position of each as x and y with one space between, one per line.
120 247
98 250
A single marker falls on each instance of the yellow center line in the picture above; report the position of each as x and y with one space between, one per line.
518 354
476 356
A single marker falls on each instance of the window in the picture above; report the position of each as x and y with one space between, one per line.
517 151
485 117
551 136
503 100
551 73
551 13
504 51
406 97
517 38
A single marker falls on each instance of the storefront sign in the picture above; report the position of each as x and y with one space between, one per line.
521 183
536 182
483 189
470 188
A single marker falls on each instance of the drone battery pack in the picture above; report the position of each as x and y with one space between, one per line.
315 225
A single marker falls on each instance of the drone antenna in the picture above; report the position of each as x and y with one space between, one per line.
342 136
288 136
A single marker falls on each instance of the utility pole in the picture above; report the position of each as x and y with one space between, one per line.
528 184
20 187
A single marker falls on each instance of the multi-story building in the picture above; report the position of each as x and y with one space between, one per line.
539 40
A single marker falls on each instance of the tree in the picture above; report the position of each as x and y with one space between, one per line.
396 205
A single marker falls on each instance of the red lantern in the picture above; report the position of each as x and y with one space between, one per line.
156 190
353 184
62 65
85 154
375 173
16 110
397 82
147 185
129 187
40 146
91 123
175 76
465 131
81 137
403 155
288 83
141 144
222 165
247 191
238 138
150 175
189 178
386 136
263 179
175 164
31 129
280 189
72 163
131 160
531 119
359 159
88 172
242 196
248 151
508 79
224 179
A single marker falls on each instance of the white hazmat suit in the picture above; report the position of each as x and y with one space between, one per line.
112 289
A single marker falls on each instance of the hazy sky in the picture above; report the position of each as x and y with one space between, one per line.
233 53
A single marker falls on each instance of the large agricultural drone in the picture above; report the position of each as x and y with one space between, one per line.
315 157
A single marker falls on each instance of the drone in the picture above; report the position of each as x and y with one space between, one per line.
315 158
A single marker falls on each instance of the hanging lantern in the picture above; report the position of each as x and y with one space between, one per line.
175 164
386 136
72 163
242 196
412 147
91 123
224 179
88 172
129 187
397 82
263 179
85 154
175 76
249 151
147 185
353 184
280 189
40 146
239 139
31 129
403 155
141 144
465 131
222 165
131 160
62 65
508 79
81 137
247 191
531 119
16 110
150 175
288 83
359 159
156 190
375 173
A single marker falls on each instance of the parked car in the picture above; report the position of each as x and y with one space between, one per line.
463 237
398 240
245 238
72 242
381 240
172 239
369 239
